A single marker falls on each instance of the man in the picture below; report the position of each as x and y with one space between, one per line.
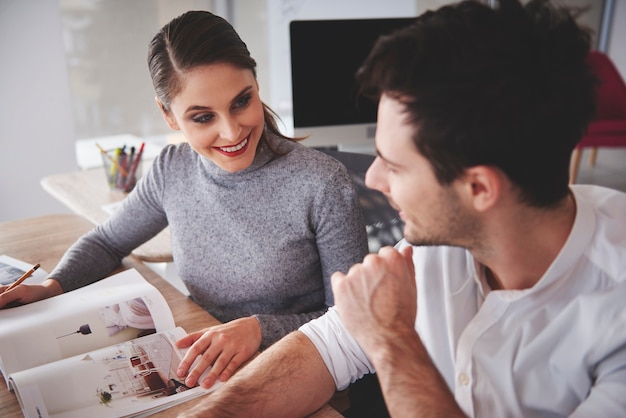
507 297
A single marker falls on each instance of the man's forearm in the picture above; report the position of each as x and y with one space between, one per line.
411 384
288 380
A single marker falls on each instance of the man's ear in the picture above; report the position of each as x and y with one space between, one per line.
167 115
482 187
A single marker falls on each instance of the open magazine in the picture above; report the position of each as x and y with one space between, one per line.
104 350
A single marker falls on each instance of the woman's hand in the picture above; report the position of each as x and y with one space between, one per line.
29 293
223 348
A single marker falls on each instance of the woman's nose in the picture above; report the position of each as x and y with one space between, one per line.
230 129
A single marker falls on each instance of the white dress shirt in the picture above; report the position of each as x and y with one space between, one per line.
556 349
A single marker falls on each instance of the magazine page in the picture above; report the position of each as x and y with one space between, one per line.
133 378
12 269
118 308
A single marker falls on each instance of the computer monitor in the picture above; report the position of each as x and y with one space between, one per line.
325 55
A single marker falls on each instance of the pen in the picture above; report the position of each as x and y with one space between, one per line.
22 278
133 168
131 157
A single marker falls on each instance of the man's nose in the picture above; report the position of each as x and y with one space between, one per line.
376 176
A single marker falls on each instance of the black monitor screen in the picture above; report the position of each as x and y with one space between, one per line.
325 55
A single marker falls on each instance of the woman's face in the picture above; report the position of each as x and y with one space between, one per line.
220 113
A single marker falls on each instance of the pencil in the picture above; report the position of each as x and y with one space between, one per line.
24 277
113 160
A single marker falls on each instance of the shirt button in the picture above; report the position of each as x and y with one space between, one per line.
464 379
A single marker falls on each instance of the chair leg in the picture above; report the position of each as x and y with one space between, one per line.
576 155
593 156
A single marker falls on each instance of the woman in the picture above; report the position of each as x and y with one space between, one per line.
258 222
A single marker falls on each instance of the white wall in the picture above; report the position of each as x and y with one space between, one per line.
36 125
36 128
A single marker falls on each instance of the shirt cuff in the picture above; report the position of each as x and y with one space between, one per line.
343 356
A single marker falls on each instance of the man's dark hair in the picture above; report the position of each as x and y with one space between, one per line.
506 86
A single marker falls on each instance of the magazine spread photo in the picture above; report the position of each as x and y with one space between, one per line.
133 378
104 350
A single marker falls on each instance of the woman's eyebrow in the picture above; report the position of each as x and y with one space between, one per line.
241 93
237 97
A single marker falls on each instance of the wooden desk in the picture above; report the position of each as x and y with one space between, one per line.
86 191
44 240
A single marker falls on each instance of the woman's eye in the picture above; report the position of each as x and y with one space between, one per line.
204 118
242 101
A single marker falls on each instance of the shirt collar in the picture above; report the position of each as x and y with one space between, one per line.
575 245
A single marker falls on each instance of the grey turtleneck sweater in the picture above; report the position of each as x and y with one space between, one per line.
263 241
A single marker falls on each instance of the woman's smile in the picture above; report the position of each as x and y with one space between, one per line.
235 150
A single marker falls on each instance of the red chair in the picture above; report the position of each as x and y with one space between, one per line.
608 129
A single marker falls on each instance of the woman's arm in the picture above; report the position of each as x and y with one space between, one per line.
96 254
341 235
341 241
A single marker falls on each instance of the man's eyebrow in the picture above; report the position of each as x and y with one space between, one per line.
386 160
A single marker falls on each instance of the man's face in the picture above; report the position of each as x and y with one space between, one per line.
433 214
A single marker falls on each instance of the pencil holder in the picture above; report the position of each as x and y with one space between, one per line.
122 170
